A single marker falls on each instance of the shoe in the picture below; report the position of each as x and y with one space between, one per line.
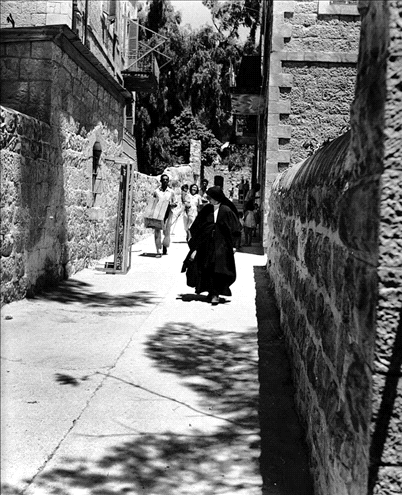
215 300
158 255
164 250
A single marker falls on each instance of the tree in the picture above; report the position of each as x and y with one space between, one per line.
227 18
186 127
158 149
239 157
196 79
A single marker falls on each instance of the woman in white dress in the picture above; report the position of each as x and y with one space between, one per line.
192 206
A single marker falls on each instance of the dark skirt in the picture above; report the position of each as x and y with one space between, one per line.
213 269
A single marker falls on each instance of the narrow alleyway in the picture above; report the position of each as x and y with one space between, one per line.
132 384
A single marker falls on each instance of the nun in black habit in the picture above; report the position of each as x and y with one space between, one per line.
210 262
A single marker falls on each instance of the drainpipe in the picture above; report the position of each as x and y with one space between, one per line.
86 22
74 17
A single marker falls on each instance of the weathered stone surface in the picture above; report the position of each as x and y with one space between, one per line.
340 292
389 481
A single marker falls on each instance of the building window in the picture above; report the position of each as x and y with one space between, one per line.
96 175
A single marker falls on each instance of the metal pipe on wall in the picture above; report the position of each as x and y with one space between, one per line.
86 22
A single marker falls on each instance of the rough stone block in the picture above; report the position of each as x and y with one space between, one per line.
281 156
39 100
293 56
18 50
15 95
281 80
279 131
41 50
326 7
389 481
279 107
284 6
58 18
10 69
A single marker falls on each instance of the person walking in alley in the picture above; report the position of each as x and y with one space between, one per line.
211 257
252 193
164 192
249 222
192 205
203 191
237 239
184 193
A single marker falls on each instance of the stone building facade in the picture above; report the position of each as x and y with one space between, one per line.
64 138
334 258
309 55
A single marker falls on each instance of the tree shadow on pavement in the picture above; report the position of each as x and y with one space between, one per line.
75 291
222 368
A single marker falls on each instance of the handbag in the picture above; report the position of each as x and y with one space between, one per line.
191 269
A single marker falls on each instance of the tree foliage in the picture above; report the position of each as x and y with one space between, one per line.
239 158
229 16
186 127
195 83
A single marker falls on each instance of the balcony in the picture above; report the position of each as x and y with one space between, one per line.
142 75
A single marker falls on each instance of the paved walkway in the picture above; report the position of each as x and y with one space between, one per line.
132 384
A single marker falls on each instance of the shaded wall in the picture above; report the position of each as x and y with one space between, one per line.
334 257
49 229
377 147
33 215
326 292
57 105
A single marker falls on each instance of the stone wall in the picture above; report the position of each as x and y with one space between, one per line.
376 122
334 257
49 229
38 13
312 71
309 81
33 214
104 36
57 105
326 292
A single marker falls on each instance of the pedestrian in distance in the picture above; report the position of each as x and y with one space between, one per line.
249 222
164 192
192 206
180 211
203 191
210 263
184 192
257 214
246 189
237 239
252 193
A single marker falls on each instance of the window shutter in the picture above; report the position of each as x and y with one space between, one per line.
132 42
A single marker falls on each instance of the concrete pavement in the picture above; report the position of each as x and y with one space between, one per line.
132 384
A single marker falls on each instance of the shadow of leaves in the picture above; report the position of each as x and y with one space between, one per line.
160 465
222 368
75 291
